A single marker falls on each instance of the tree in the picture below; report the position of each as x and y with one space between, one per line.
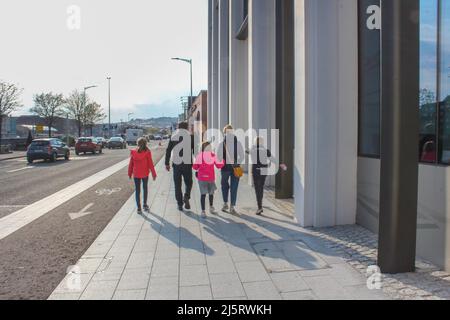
75 107
93 114
48 106
9 101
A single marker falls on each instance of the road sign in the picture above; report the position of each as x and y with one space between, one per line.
39 129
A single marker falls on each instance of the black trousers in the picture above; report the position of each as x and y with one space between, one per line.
182 172
259 181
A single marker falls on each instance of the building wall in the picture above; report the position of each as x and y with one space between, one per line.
433 237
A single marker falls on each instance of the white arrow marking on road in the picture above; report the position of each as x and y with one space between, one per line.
82 213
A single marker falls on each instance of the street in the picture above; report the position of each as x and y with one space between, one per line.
62 208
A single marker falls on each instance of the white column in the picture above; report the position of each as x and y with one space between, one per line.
238 66
215 66
326 112
262 65
210 61
224 62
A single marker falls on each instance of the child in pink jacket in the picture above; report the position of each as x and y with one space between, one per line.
205 165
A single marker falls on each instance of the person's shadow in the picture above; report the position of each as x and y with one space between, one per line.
173 234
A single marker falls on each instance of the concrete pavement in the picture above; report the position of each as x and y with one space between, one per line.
171 255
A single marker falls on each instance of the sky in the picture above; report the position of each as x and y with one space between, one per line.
48 47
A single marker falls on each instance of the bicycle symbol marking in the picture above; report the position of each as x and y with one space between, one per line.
107 192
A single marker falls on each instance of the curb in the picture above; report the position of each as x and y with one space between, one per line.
12 158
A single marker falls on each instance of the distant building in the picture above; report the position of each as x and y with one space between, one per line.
198 113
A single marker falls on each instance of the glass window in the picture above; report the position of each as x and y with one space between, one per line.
369 78
428 80
444 88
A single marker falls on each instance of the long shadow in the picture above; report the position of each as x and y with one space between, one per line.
178 235
295 253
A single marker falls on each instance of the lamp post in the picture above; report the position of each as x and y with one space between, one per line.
190 63
109 106
84 94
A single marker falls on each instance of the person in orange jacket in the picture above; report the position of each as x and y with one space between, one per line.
141 164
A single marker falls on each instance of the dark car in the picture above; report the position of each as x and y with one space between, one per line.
47 149
85 145
117 143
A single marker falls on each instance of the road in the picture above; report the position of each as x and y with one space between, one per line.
35 257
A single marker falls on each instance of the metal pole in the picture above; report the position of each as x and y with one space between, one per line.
400 134
192 91
109 107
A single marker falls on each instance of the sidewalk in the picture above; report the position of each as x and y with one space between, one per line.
168 255
13 155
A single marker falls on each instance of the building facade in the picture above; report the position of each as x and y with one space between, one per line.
197 117
312 69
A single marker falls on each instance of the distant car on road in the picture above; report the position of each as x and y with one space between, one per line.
158 138
103 141
117 143
85 145
47 149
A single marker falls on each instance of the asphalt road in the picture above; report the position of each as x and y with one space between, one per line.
22 184
36 257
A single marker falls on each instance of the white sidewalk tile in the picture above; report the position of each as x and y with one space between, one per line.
169 255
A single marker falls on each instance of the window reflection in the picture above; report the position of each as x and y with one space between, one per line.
428 80
444 96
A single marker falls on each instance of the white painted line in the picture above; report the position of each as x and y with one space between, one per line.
12 206
21 169
84 212
21 218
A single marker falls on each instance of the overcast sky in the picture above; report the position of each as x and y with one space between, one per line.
132 41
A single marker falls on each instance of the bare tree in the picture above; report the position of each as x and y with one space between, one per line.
75 106
9 101
48 106
93 114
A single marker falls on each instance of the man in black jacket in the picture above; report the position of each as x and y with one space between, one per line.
182 167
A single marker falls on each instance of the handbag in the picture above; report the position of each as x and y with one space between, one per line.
237 169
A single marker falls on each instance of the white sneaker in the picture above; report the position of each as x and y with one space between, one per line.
233 211
204 214
225 207
212 210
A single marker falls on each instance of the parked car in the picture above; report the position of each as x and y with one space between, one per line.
103 141
158 138
117 143
85 145
47 149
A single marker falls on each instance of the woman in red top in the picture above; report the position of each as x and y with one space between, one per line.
141 163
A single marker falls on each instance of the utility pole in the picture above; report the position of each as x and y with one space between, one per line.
109 107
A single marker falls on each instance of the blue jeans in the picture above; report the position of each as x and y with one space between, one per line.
230 185
137 183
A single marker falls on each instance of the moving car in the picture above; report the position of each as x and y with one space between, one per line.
103 141
117 143
132 136
85 145
47 149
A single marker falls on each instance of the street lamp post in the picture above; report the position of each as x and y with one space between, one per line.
84 94
109 106
190 64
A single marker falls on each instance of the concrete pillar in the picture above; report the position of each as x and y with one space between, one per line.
238 66
215 65
210 61
224 57
326 115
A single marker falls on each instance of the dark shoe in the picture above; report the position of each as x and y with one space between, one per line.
259 212
146 209
139 211
187 204
180 208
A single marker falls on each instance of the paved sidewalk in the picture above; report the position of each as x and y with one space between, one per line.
168 255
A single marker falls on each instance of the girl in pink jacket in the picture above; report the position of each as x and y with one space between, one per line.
205 164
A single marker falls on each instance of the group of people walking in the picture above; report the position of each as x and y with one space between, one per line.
205 163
